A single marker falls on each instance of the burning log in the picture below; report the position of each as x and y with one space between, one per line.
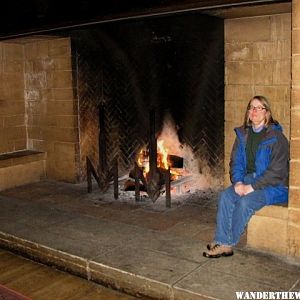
175 161
153 186
153 167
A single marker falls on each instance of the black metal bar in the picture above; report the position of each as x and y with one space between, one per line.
102 140
89 175
137 182
152 144
116 176
90 170
168 187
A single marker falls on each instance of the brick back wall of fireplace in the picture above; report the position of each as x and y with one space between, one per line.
176 67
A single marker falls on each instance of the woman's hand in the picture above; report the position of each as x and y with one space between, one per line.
243 189
239 188
248 189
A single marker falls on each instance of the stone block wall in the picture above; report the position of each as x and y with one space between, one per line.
37 106
50 105
257 62
12 108
258 53
294 192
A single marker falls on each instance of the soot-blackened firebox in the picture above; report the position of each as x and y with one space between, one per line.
174 65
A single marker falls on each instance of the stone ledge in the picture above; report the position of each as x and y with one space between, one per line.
20 157
278 211
21 167
267 229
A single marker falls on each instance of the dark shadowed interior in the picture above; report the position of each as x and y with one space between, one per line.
174 65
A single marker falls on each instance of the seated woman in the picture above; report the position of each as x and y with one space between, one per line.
259 169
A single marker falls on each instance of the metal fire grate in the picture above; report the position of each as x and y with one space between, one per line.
174 65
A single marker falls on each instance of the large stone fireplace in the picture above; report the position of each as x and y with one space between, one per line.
56 86
183 66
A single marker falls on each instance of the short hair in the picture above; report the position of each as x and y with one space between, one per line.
266 104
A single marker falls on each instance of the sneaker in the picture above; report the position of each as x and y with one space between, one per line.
210 245
217 251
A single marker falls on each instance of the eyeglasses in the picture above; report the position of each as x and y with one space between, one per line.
257 108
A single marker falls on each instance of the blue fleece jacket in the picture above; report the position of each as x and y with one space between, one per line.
271 163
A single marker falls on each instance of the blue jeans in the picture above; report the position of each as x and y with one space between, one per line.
234 213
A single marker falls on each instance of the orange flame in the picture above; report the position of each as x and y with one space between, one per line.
162 160
143 161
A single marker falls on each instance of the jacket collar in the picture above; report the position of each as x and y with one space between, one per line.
242 132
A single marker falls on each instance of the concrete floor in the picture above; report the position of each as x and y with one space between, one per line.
141 248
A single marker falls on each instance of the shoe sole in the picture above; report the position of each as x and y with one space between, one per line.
224 254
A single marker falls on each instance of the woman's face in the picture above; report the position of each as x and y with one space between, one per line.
257 113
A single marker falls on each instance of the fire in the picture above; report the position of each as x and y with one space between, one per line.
162 160
143 161
179 158
162 157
